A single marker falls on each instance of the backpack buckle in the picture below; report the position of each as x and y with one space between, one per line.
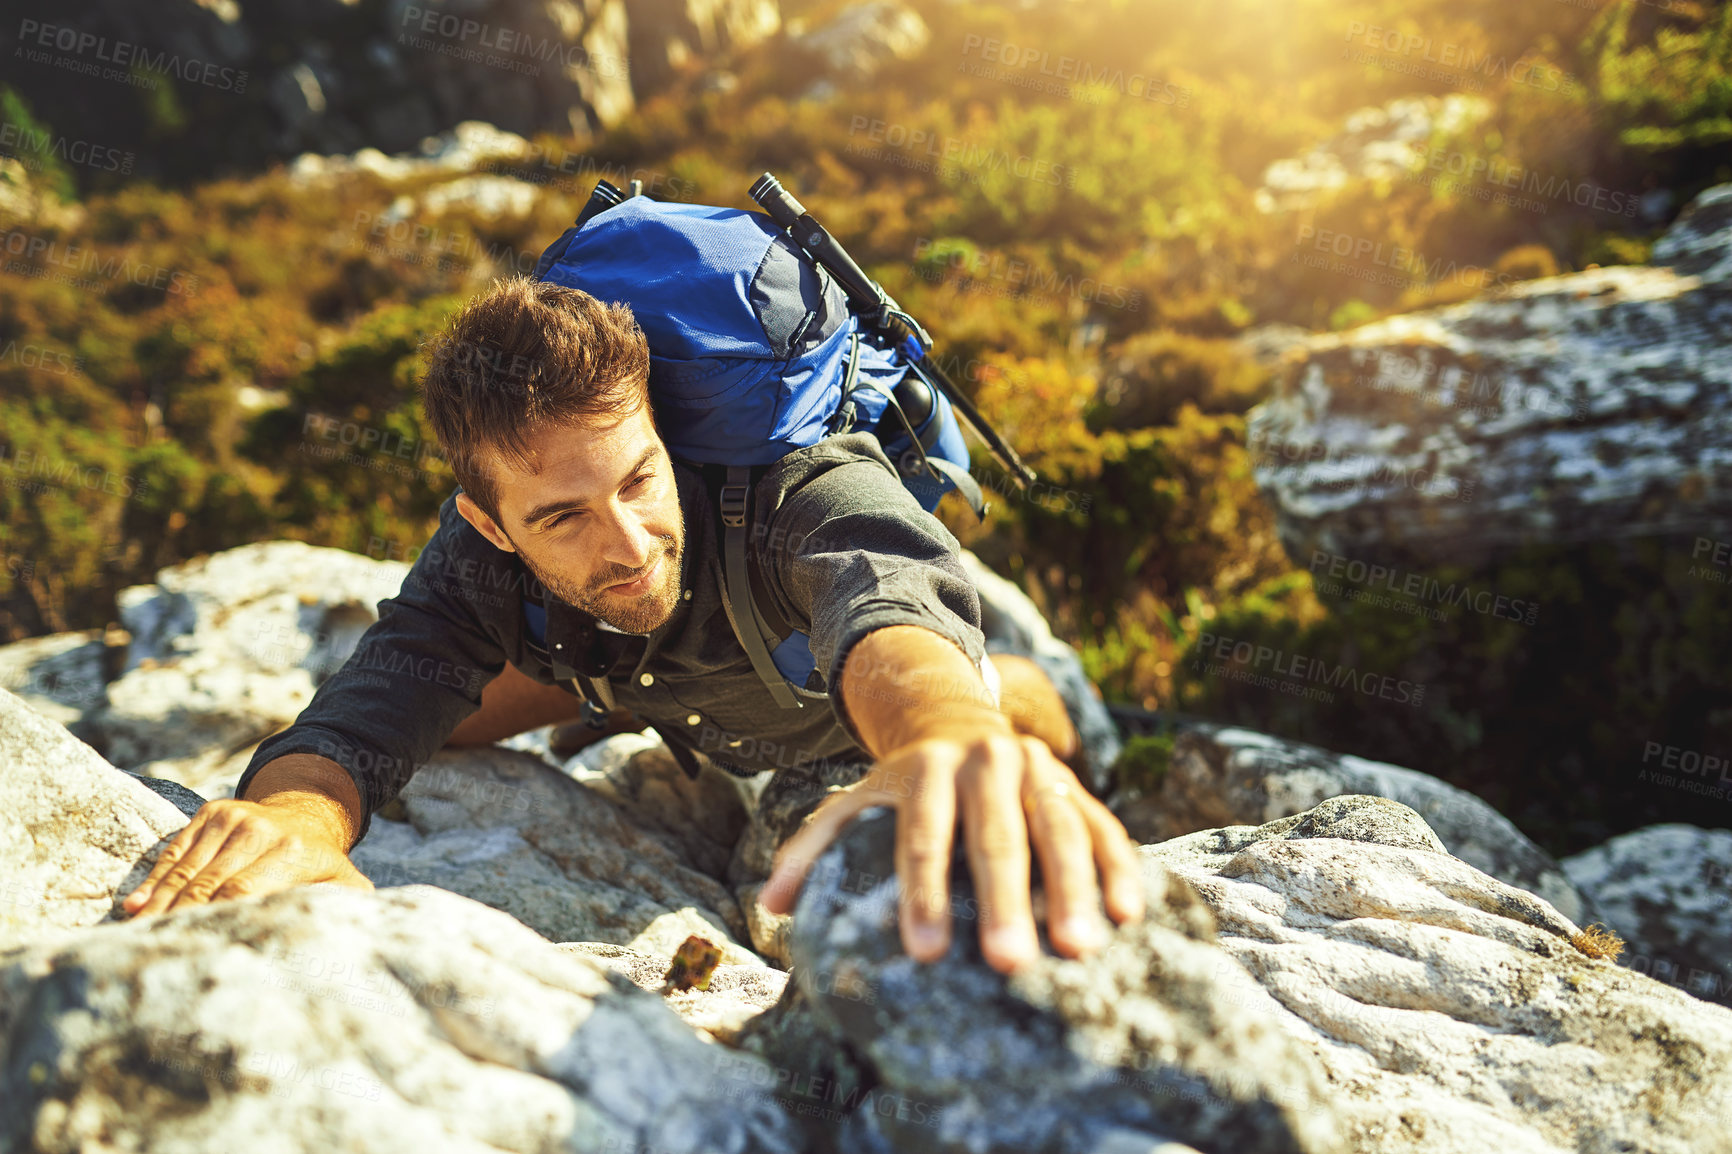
734 505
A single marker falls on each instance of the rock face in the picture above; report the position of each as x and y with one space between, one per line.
1333 981
227 649
1221 776
863 38
1566 409
333 76
507 829
73 832
1667 890
325 1018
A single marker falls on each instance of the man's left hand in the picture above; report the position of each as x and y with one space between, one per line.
1010 792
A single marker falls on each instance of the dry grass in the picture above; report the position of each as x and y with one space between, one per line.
1596 941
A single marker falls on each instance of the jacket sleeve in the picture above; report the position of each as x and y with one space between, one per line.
416 673
852 552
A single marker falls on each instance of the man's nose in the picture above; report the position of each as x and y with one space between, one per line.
630 544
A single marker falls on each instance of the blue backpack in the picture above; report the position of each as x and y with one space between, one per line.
763 341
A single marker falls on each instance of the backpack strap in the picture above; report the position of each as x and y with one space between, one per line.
741 603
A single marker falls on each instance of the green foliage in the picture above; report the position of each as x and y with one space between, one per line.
1675 90
1143 762
34 147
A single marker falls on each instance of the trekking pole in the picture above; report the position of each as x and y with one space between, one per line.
882 312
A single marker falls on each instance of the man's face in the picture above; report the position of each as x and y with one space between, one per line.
599 524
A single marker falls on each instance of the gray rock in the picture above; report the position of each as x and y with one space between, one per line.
1134 1040
1667 891
73 829
1330 981
227 649
1235 777
1588 407
860 40
1452 1013
506 829
667 36
327 1018
61 675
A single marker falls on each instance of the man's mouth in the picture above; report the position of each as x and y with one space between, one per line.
640 584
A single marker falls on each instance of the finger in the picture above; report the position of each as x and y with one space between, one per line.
794 860
165 861
1116 857
210 839
1067 862
925 833
237 853
998 857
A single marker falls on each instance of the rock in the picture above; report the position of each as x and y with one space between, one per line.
1561 410
1377 145
506 829
1667 891
227 649
61 675
861 39
1012 624
667 36
1134 1040
1332 981
470 145
335 76
735 995
1234 777
73 830
327 1018
1452 1012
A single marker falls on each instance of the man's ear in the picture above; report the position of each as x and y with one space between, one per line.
483 524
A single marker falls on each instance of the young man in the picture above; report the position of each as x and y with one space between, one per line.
578 557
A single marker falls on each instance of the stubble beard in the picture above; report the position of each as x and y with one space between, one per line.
645 613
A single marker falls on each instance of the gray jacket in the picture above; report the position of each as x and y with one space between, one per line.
842 547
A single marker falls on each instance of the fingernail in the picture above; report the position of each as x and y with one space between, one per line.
1085 932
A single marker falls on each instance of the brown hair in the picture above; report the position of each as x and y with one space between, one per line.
526 355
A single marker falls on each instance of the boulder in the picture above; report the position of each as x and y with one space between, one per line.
1223 776
506 829
860 40
1560 410
328 1018
228 648
668 36
73 831
1667 891
1332 981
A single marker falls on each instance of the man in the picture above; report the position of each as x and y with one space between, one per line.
578 556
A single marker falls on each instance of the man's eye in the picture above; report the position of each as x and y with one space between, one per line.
559 520
641 480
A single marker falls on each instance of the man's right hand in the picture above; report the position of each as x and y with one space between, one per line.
296 833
